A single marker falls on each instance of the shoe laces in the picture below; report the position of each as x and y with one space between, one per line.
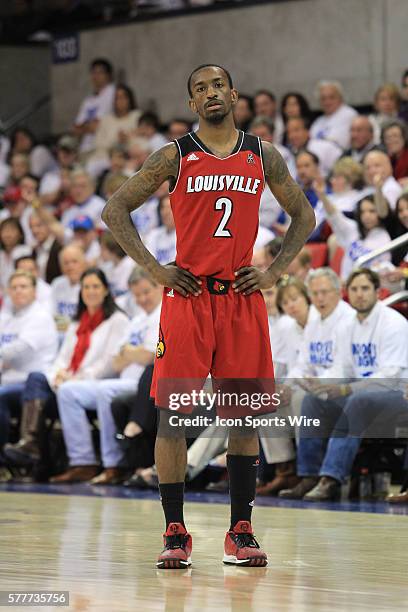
175 541
245 540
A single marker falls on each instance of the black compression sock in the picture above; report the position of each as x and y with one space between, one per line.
242 472
172 499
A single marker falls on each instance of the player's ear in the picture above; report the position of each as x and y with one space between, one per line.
234 96
192 105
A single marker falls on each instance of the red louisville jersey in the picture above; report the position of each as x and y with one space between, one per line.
215 205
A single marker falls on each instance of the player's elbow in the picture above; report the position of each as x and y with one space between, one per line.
107 213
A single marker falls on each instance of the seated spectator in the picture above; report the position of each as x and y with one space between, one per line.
161 241
86 202
148 127
301 265
114 128
66 288
334 124
40 159
19 167
28 340
265 105
298 138
87 352
43 291
117 164
396 224
86 237
127 301
96 105
357 237
264 128
347 182
294 106
116 264
307 165
243 112
373 345
386 104
67 157
11 247
361 138
138 151
377 167
394 136
137 350
178 128
46 248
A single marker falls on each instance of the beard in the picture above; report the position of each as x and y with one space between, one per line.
216 117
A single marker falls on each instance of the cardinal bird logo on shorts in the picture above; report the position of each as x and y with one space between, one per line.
218 286
160 346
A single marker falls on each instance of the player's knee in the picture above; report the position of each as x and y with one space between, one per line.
170 425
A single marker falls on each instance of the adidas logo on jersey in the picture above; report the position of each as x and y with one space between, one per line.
170 293
192 157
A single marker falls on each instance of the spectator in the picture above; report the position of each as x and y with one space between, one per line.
28 340
334 124
243 112
361 138
127 301
137 350
396 224
84 198
95 106
86 237
116 264
307 165
301 265
148 128
39 157
11 247
161 241
373 345
347 181
377 168
117 163
19 167
114 128
43 292
298 138
138 151
178 128
46 248
357 237
295 106
394 136
386 104
264 128
66 288
265 105
87 352
51 182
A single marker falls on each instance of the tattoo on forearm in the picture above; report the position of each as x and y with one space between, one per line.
159 167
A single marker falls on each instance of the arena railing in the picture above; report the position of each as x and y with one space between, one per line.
394 244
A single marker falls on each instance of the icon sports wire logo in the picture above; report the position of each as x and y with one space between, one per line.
192 157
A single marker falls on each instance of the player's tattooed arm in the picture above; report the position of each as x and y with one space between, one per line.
160 166
295 204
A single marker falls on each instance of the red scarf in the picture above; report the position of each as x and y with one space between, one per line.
86 326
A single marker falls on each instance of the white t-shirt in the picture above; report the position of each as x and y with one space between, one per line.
33 326
144 331
162 244
269 209
264 236
50 182
318 351
335 127
94 107
288 159
346 201
327 152
391 191
127 302
118 275
146 217
287 341
43 295
376 347
65 297
348 237
92 208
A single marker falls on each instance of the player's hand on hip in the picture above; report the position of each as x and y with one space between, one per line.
179 279
250 279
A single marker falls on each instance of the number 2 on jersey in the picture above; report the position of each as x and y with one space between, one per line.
222 231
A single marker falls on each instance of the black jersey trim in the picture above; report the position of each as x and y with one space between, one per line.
203 147
261 156
187 145
251 143
176 178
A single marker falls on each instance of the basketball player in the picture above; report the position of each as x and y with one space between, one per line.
213 316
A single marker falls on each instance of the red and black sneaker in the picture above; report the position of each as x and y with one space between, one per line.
241 548
178 545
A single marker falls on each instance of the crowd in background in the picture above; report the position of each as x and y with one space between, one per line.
67 288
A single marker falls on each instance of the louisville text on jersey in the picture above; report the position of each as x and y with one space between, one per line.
222 182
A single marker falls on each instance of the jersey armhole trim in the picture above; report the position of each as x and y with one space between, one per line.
262 161
178 169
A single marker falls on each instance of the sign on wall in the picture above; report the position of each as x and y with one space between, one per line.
65 48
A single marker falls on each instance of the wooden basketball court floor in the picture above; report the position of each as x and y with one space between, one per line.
102 550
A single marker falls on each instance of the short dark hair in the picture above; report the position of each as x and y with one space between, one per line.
208 66
109 305
310 153
150 118
102 63
108 241
371 275
13 222
130 95
32 177
265 92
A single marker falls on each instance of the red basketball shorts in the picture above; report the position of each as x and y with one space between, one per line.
219 332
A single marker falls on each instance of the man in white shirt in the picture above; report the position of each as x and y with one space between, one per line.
161 241
264 128
265 106
66 288
76 397
378 171
361 138
86 237
299 138
95 106
372 345
86 202
28 341
334 124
